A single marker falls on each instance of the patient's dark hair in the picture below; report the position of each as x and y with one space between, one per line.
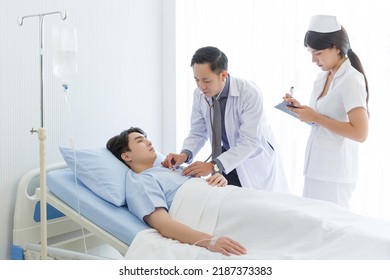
120 143
217 59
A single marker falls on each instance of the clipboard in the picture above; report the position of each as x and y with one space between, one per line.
282 106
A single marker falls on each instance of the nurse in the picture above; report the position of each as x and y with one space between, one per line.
338 109
229 111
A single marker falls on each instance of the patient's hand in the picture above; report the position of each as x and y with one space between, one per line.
217 180
226 246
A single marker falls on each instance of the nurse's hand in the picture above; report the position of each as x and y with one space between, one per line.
217 180
173 161
305 114
288 98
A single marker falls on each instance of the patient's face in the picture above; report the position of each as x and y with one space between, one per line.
141 149
207 81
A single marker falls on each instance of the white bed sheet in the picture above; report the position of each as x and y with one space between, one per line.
270 225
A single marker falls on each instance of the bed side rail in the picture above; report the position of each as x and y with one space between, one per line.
26 228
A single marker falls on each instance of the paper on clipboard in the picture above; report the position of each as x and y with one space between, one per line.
283 107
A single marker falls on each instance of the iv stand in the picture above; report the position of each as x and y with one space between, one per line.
42 134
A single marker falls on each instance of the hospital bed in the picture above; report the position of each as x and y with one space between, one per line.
81 225
270 225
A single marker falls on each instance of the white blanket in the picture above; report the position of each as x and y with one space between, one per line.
270 226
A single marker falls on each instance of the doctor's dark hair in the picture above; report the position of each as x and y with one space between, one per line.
217 59
119 144
338 39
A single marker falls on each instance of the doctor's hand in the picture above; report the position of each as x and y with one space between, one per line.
217 180
173 161
198 169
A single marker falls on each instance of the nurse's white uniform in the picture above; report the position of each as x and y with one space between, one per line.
258 165
331 161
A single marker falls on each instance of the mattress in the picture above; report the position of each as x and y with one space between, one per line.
116 220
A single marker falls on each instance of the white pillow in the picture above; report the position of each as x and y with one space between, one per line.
100 171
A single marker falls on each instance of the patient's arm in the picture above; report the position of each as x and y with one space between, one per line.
163 223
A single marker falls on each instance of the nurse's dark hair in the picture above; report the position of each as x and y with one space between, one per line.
217 59
340 40
119 144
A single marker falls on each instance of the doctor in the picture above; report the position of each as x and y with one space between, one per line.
338 107
245 152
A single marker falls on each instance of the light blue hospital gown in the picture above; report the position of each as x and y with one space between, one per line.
152 188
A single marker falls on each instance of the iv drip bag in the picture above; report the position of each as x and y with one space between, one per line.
64 52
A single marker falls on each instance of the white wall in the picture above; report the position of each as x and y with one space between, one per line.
119 84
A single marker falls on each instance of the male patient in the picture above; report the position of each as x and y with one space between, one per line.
151 196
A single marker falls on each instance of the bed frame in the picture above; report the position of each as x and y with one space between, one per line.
70 235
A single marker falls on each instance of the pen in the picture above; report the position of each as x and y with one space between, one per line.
291 104
291 91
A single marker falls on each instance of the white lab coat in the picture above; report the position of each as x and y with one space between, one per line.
331 157
258 165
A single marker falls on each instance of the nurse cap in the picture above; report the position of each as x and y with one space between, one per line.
324 24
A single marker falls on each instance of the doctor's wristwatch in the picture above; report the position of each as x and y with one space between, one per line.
215 167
